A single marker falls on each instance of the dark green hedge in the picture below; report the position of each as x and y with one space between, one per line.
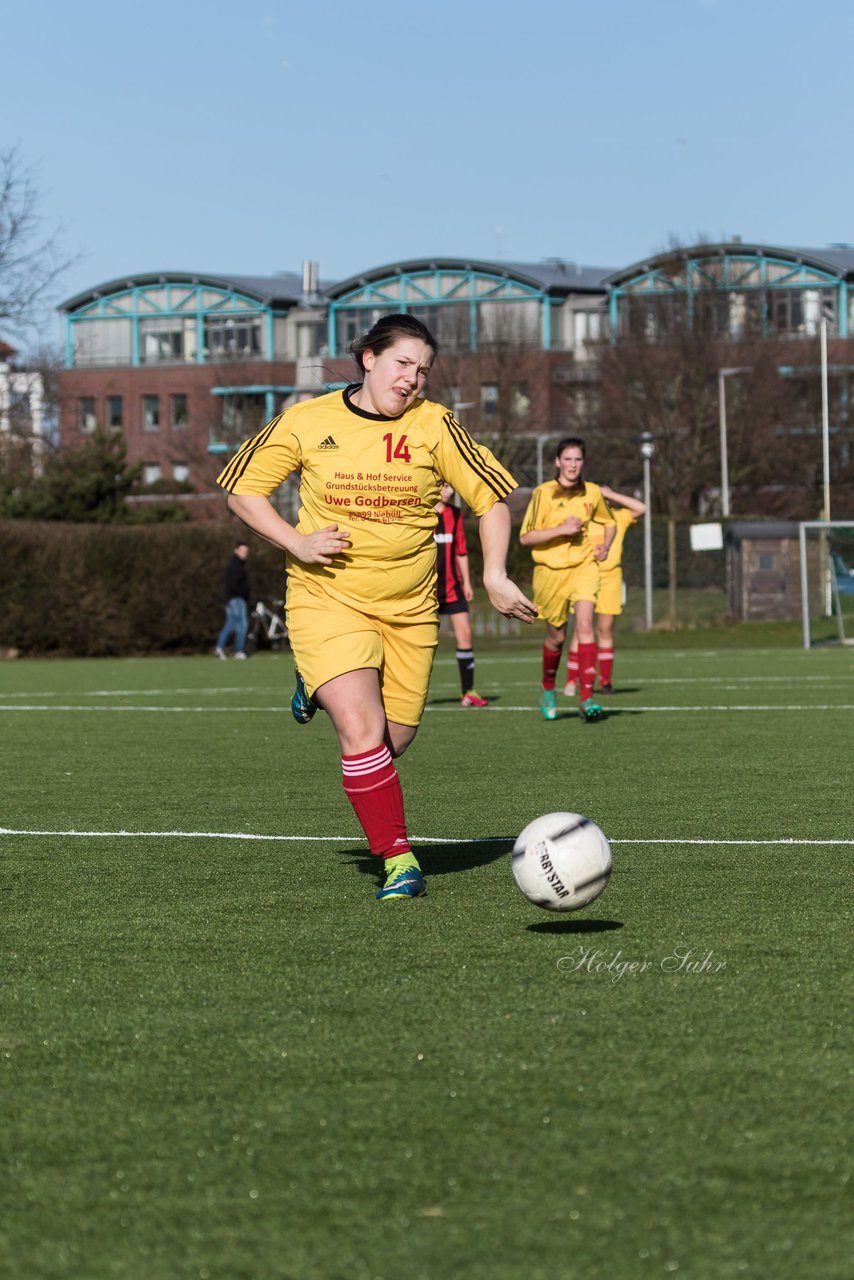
94 590
98 590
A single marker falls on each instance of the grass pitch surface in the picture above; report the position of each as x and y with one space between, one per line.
221 1058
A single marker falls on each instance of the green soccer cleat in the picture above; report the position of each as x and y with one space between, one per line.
548 704
408 882
303 708
590 711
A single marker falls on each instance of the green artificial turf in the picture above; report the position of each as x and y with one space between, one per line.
222 1058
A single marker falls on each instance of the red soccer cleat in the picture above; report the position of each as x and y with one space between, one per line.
472 699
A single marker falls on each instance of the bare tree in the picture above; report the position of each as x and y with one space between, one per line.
31 258
661 377
499 386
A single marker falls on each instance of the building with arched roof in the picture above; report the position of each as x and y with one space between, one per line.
752 291
187 364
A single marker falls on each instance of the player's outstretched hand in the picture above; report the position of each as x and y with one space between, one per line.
506 597
322 546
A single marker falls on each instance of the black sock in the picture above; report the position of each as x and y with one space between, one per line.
465 662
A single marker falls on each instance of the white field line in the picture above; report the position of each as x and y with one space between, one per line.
492 710
276 691
349 839
214 691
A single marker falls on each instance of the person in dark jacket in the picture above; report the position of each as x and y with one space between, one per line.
236 600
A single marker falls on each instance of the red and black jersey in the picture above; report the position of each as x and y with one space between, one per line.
450 542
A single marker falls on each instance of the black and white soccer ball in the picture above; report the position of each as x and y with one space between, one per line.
561 861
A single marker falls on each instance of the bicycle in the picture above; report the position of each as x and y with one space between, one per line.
267 626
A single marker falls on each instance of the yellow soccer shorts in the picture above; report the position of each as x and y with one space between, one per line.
610 597
330 638
555 590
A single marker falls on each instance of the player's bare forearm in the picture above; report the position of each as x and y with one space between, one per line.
465 576
566 529
507 598
503 594
494 530
634 505
258 512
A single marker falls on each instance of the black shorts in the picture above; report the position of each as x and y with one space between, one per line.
456 606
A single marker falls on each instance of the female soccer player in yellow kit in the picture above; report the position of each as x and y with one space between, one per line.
609 602
566 567
361 597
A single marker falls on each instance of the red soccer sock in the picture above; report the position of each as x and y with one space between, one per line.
551 661
572 667
606 665
373 789
586 670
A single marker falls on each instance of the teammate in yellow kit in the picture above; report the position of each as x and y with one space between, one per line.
361 599
566 567
609 602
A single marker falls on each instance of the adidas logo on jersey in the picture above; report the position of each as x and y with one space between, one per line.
328 443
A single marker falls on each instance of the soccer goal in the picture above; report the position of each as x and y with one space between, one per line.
827 581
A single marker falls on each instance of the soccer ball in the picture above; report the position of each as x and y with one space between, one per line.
561 861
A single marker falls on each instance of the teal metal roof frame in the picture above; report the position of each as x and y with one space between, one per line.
277 290
733 268
409 286
169 297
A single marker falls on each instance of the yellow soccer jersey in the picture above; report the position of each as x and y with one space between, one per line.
549 506
380 479
624 520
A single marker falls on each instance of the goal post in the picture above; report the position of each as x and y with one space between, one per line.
827 580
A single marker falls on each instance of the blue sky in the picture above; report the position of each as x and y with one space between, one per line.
220 137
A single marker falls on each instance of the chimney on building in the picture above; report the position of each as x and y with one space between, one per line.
309 277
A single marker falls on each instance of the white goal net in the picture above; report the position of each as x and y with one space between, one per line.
827 581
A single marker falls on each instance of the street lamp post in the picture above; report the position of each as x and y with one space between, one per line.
825 426
723 374
825 469
647 448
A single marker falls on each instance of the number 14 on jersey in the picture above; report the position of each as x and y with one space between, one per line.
396 448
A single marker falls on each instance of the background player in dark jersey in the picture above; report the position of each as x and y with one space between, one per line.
454 589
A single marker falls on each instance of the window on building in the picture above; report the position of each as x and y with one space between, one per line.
311 339
102 341
653 319
350 325
586 327
450 323
489 399
797 312
180 472
165 339
242 415
86 419
233 338
178 410
521 406
151 472
508 326
115 417
151 413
